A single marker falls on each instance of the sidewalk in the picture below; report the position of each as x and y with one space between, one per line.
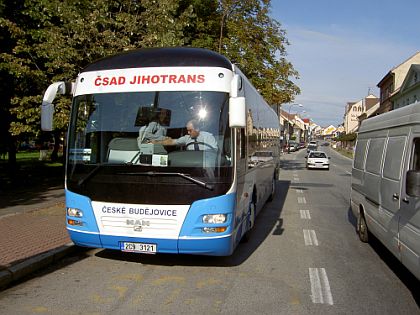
31 237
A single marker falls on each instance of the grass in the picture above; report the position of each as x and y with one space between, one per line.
30 172
345 152
32 158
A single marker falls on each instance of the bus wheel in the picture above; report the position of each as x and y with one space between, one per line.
273 189
250 221
362 229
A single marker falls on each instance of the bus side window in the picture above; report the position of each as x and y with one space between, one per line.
242 144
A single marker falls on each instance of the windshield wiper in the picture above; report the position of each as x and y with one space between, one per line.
186 176
90 174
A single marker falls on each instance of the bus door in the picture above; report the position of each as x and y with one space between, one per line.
241 171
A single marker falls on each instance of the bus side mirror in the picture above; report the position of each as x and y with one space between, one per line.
47 108
47 113
412 183
236 85
237 112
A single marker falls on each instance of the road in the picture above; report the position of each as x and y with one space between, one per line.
304 257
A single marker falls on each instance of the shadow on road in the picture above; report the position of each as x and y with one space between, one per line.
32 187
406 277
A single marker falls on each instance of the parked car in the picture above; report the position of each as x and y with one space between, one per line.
317 159
293 146
261 157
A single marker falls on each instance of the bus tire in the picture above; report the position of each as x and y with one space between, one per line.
250 221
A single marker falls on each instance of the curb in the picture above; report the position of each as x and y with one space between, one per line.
18 271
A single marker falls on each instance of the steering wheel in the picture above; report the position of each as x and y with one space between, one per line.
203 143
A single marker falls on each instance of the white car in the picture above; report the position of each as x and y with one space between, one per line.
317 159
261 157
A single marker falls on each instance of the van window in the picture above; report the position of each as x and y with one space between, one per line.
374 156
393 157
359 157
415 158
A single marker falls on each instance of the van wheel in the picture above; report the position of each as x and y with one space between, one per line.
362 229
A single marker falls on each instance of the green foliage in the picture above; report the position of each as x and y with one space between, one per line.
45 41
257 44
347 137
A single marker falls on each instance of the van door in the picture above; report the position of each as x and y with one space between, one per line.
372 184
409 224
391 192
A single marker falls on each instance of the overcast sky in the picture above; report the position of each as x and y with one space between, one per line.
343 48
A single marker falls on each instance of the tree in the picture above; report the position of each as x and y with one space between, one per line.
53 40
256 42
45 41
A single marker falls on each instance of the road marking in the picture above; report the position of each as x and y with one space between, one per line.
301 200
296 179
347 172
320 286
310 238
305 214
299 191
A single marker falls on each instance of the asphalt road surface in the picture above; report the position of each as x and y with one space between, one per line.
304 257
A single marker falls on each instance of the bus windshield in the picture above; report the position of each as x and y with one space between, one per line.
120 133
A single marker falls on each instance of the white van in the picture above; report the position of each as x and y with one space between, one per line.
385 188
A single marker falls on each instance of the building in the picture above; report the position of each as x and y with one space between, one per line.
392 82
294 127
329 131
357 111
409 92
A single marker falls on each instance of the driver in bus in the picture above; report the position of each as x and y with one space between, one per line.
195 139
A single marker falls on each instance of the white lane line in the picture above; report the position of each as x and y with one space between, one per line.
310 238
305 214
301 200
320 286
347 172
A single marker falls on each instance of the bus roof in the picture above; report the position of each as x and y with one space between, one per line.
161 57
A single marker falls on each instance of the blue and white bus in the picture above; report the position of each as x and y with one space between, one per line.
150 198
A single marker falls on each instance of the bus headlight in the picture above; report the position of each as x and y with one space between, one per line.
214 218
74 212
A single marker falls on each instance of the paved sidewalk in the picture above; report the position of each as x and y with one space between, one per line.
32 239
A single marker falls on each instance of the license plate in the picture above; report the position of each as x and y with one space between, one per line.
138 247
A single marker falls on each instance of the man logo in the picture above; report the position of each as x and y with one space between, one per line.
138 228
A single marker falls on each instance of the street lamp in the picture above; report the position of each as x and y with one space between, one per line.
288 126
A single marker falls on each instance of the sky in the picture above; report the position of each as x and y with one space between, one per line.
343 48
